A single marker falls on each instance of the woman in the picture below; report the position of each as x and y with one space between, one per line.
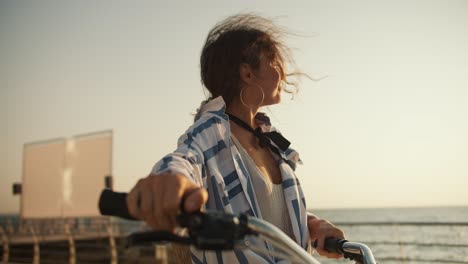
231 159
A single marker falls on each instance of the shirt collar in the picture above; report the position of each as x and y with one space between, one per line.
217 106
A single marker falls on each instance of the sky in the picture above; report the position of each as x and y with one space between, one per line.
384 126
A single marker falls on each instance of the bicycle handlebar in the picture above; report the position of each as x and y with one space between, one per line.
114 204
220 231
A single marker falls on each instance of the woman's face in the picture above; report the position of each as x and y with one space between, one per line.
269 77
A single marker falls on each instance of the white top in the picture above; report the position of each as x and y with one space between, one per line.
270 196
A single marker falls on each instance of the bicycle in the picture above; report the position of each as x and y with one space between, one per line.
214 230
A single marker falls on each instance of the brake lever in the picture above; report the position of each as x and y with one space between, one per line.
150 237
213 231
216 230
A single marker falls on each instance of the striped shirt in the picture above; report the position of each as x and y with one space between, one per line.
205 155
270 196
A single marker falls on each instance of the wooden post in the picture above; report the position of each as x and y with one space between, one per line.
6 249
36 250
160 254
71 245
112 246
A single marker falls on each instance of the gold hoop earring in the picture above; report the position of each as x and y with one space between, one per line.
259 104
242 100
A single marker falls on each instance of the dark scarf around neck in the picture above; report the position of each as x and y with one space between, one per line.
265 138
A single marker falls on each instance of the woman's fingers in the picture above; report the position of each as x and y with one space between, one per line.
146 203
157 199
133 202
169 201
195 198
319 230
313 225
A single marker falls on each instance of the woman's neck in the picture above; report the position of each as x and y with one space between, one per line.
248 140
243 113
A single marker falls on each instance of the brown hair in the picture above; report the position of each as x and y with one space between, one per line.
239 39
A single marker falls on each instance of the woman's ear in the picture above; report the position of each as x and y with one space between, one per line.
246 73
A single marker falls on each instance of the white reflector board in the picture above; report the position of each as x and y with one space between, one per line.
89 161
63 178
43 164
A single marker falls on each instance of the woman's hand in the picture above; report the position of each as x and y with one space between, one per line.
319 229
156 199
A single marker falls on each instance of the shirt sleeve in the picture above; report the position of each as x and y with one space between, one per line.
186 160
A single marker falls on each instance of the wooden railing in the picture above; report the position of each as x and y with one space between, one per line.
101 240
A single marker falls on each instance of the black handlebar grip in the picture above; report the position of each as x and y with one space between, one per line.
334 245
114 204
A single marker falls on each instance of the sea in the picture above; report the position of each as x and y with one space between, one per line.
397 235
405 235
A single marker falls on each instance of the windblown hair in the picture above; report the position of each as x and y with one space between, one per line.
238 39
